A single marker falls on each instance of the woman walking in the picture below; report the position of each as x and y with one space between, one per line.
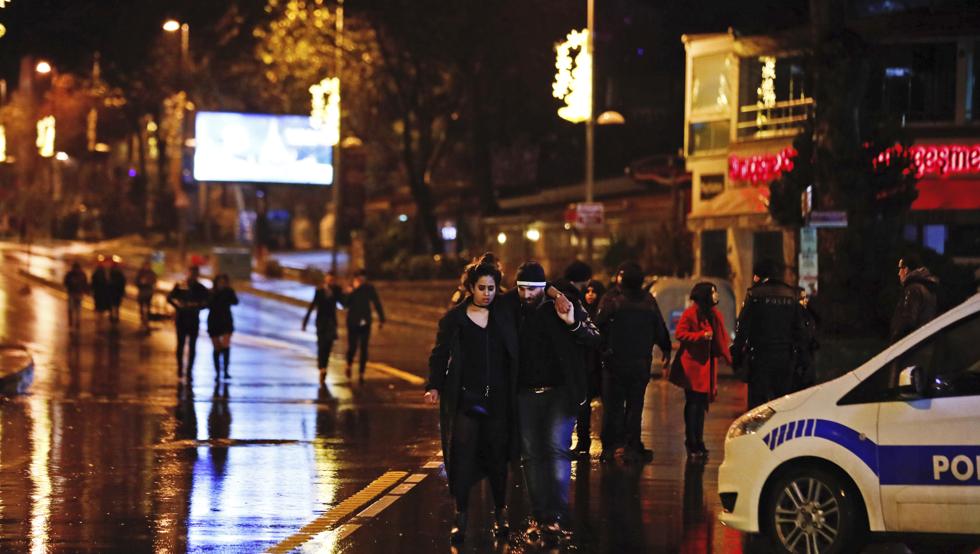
221 324
325 301
593 365
701 332
472 376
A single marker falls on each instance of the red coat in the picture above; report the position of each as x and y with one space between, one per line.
696 350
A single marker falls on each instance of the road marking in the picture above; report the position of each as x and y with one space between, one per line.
395 372
333 516
402 489
379 505
432 465
416 477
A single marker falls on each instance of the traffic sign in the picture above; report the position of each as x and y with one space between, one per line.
828 220
589 215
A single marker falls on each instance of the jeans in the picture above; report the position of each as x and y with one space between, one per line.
622 402
546 422
186 337
324 344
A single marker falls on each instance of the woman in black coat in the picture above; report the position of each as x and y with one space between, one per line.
325 301
221 324
472 376
593 366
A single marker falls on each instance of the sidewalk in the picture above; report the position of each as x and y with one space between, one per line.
16 369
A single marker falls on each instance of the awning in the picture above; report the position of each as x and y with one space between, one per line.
937 193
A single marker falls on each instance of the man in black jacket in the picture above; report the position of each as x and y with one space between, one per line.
551 383
631 325
769 335
918 303
359 302
188 298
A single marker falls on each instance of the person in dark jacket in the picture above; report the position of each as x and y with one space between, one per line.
918 303
76 285
117 289
768 335
631 325
101 293
552 386
703 338
146 284
806 371
472 376
188 297
359 302
221 323
325 301
594 291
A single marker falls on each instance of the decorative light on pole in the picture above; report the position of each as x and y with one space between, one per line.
3 3
573 80
3 144
43 67
45 136
325 108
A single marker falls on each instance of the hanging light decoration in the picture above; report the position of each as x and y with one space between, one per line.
573 80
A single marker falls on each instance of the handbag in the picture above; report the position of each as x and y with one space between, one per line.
474 404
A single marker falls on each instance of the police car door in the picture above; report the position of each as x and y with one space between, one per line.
929 436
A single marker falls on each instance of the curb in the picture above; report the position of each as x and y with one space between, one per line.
15 381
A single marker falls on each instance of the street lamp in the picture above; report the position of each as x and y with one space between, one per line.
175 106
43 67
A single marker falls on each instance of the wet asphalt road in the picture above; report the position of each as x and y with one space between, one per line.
109 452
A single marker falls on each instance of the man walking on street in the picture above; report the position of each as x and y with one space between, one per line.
551 387
631 324
359 301
918 303
768 335
76 284
188 297
117 289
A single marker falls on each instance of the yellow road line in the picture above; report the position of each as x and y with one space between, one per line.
339 512
395 372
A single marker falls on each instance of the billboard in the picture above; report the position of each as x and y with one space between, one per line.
260 148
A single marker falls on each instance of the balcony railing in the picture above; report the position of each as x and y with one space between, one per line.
783 118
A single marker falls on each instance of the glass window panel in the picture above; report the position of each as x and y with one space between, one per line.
711 83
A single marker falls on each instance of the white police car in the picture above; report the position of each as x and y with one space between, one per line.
893 446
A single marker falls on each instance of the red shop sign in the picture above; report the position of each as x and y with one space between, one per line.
937 159
760 168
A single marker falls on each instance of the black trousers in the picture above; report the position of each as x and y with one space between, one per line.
324 344
622 404
583 425
695 407
770 376
479 447
186 336
357 338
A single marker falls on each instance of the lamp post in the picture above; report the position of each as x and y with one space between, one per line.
175 107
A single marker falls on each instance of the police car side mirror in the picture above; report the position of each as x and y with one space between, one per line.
914 378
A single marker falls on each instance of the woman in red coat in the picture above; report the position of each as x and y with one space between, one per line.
701 332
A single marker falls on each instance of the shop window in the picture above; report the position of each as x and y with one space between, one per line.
767 245
708 136
711 83
714 254
934 237
773 97
916 82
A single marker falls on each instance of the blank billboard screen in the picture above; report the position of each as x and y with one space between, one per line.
260 148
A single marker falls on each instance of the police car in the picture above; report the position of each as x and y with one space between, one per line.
893 446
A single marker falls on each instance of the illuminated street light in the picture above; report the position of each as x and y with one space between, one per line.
171 25
610 118
3 144
45 136
43 67
501 238
325 108
3 30
533 235
61 156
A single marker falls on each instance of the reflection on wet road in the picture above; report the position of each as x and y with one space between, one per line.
109 452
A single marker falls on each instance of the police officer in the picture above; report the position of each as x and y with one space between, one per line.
768 335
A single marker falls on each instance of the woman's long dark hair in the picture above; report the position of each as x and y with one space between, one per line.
701 294
474 272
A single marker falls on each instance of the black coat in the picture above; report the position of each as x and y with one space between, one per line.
917 305
220 320
359 303
117 285
445 370
101 292
326 311
570 343
188 299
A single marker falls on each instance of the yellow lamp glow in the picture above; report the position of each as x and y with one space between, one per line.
573 80
325 108
501 238
43 67
3 144
171 25
533 235
3 30
45 136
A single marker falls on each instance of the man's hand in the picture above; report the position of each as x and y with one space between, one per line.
562 304
568 316
431 396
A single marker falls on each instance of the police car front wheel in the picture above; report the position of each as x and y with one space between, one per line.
811 511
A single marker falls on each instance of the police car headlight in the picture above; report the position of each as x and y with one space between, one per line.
750 422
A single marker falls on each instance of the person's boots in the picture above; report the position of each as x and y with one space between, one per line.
458 532
323 375
226 354
217 365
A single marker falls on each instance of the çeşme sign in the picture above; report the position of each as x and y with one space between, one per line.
760 168
936 159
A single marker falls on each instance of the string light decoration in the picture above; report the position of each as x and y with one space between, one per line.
91 129
573 80
3 3
3 144
325 112
45 136
767 88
